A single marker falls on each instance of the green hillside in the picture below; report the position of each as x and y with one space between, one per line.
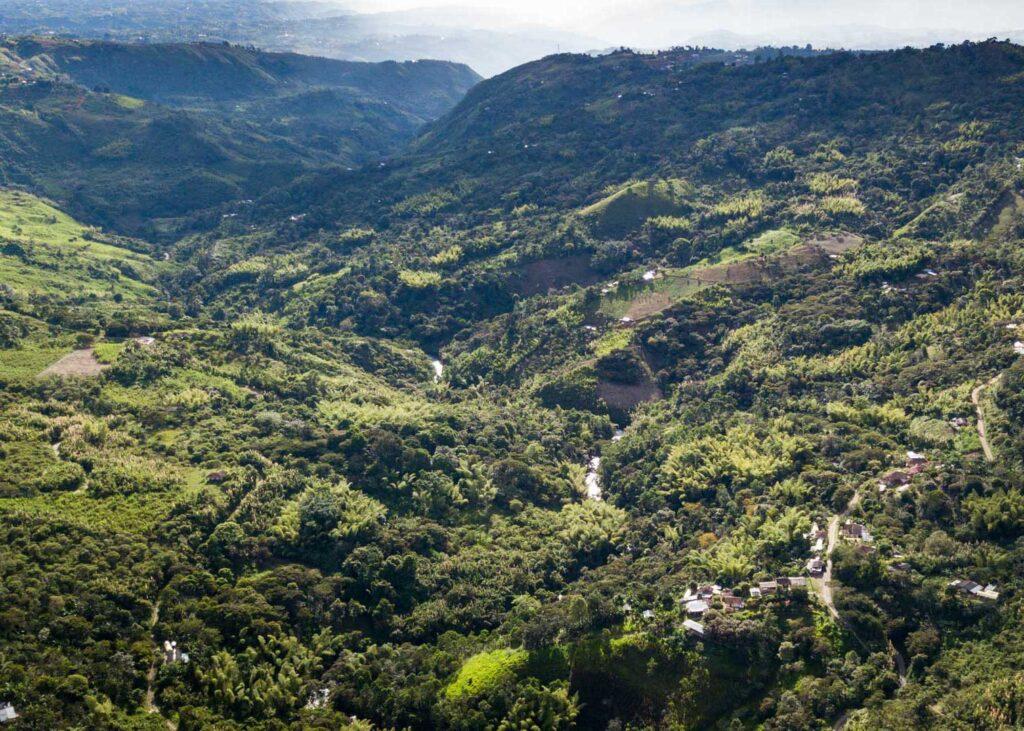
545 422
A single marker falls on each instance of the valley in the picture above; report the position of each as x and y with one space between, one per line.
619 391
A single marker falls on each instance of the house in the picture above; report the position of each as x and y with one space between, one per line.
8 714
755 593
145 341
855 532
627 607
815 566
697 606
768 587
648 614
731 601
695 627
975 589
1018 348
791 582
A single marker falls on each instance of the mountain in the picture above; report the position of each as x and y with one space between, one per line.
667 390
488 42
170 130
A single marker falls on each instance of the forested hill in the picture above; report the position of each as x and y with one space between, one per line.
640 393
140 138
555 132
182 74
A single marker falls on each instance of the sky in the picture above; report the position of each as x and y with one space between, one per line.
639 16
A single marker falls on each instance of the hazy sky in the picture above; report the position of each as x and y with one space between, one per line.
739 15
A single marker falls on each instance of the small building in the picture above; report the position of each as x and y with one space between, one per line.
755 592
915 458
1018 348
697 606
732 602
791 582
648 614
694 627
975 589
815 566
768 587
8 714
627 607
856 532
216 477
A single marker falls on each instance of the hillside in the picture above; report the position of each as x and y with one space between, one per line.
640 392
138 137
206 73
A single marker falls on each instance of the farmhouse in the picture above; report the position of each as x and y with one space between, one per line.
815 566
975 589
855 532
697 606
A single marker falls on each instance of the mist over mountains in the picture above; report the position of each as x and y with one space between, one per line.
493 39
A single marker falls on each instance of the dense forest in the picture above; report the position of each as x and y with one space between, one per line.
637 391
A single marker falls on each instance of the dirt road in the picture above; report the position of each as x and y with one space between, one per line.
982 428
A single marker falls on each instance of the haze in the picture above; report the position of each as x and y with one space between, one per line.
665 22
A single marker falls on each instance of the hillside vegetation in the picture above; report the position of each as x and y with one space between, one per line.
545 422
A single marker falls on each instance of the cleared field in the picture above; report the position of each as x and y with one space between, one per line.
77 363
760 259
43 250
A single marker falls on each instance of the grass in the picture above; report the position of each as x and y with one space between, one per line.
486 670
128 102
628 208
649 298
107 352
27 361
46 251
611 341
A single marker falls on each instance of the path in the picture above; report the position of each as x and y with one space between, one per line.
982 428
150 704
77 363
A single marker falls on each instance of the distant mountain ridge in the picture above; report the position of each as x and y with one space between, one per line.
179 73
114 130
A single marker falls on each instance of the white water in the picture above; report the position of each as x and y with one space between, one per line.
593 479
438 370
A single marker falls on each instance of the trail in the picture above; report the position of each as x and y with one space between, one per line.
150 704
982 427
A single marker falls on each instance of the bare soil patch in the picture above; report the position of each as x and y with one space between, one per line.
80 363
545 275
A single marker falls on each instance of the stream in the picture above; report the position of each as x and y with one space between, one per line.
593 479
